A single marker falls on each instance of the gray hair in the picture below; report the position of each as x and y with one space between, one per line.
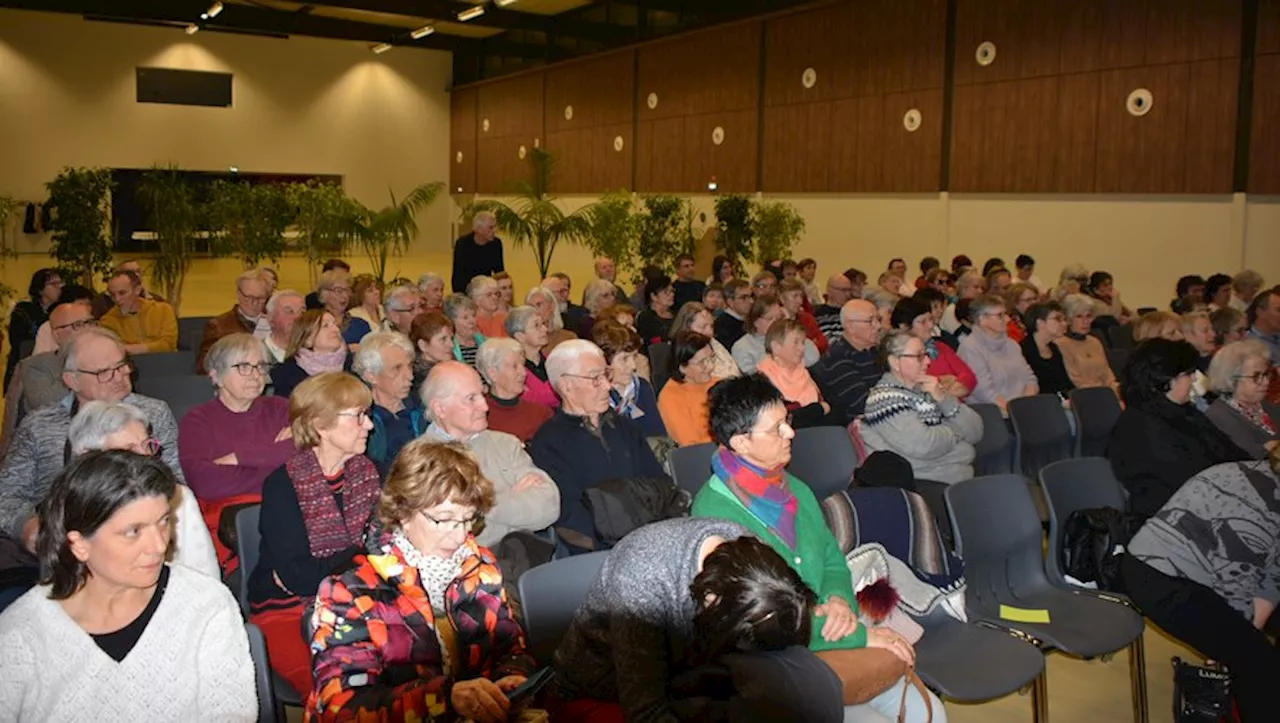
70 351
591 294
1246 282
883 299
518 319
556 322
968 279
1189 320
253 275
895 343
1226 365
482 217
330 279
1074 272
429 278
565 358
434 387
369 358
480 284
98 420
396 293
984 304
455 303
492 352
271 303
232 349
1075 304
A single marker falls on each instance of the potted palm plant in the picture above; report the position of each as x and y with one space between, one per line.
249 220
777 226
325 220
389 231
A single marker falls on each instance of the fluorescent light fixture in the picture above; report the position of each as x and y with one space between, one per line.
235 169
422 32
214 9
192 29
504 3
471 13
381 48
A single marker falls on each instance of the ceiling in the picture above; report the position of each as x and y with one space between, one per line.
518 35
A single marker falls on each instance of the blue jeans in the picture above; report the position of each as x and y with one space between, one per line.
884 707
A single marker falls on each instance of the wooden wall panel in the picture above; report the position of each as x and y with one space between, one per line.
660 155
912 160
1143 154
587 161
462 136
1210 146
513 110
857 132
1268 27
815 39
1264 157
1076 146
601 91
708 72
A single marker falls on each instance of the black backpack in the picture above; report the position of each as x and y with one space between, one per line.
1093 542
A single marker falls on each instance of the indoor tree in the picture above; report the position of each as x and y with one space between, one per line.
78 202
8 212
172 213
614 227
249 220
666 232
736 239
325 219
389 231
777 227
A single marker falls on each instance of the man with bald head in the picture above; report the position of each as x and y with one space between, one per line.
525 497
40 375
840 289
851 365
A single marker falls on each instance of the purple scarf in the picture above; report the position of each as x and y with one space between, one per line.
317 362
765 493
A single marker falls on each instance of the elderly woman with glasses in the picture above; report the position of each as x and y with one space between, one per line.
698 317
313 515
916 316
1003 373
1047 322
750 485
490 318
1240 373
1017 299
417 626
334 292
315 347
544 301
462 310
910 413
529 329
1082 353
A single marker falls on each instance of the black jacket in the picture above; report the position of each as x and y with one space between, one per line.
729 329
24 322
471 259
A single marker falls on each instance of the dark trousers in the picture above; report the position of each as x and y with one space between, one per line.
1199 617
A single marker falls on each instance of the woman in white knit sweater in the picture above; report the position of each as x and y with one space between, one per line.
112 632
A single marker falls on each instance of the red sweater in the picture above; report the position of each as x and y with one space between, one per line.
210 431
812 331
949 362
520 418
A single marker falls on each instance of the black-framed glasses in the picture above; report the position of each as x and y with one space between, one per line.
76 325
1256 377
109 373
246 369
918 357
471 524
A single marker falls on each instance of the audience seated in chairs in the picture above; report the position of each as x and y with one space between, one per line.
1161 439
750 485
334 292
385 363
490 319
251 298
784 366
1102 287
1264 321
792 297
503 365
653 323
544 301
29 315
40 375
849 369
432 338
1017 299
910 412
1240 374
1157 325
1197 330
529 328
340 268
144 325
1082 353
431 285
366 301
914 315
683 400
1244 286
681 600
750 350
969 286
461 310
525 497
597 296
695 316
630 395
1229 325
1204 569
586 443
1003 373
283 310
1048 324
417 625
401 305
316 347
314 510
94 368
112 626
731 325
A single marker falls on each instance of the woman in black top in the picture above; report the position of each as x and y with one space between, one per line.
653 324
1047 322
29 314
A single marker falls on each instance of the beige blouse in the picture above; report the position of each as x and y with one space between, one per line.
1086 362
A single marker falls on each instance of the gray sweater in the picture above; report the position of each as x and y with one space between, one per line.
631 634
937 438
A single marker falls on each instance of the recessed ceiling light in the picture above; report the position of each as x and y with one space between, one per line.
381 48
192 29
504 3
214 9
422 32
471 13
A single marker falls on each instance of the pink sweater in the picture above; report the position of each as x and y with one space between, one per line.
210 431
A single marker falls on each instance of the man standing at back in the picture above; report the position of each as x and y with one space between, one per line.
145 326
479 253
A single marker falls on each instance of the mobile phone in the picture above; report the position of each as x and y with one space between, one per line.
530 687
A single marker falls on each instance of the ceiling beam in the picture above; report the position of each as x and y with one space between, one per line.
494 17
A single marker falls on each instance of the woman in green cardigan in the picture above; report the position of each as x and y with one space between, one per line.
749 485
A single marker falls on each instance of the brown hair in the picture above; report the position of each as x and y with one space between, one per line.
614 339
786 286
315 403
759 307
362 284
1152 323
305 330
1015 292
611 313
427 325
779 330
427 473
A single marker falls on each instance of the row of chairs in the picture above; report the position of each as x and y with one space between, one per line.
1038 432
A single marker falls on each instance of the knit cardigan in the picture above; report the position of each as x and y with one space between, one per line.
191 664
937 438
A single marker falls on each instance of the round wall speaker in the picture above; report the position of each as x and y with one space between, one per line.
459 156
911 120
717 135
1139 102
537 142
522 152
809 78
653 101
618 143
568 112
484 125
986 53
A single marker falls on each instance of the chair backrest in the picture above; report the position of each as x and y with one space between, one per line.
1042 432
1070 485
181 393
1096 410
824 458
1101 336
995 449
164 364
549 597
692 466
191 332
1121 336
659 364
1117 358
997 531
248 546
261 673
25 348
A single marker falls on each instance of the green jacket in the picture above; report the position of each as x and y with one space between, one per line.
817 556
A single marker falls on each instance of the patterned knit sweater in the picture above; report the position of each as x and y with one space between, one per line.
937 438
191 664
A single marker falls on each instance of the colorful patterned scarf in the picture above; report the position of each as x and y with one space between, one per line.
764 493
330 530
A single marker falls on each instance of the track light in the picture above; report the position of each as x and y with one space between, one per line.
422 32
380 48
471 13
214 9
504 3
192 29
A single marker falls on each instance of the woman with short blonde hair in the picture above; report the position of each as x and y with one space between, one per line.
1082 353
1158 324
366 300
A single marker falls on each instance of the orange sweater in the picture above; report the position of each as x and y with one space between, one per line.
493 327
683 407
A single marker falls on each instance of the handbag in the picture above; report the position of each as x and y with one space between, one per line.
1200 694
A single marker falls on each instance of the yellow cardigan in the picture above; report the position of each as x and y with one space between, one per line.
154 325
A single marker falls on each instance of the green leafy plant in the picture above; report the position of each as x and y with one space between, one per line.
325 219
80 211
389 231
777 226
533 218
666 231
173 214
737 233
249 220
614 227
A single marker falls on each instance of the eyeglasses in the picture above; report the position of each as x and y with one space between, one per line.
705 361
256 299
470 524
873 321
745 296
76 325
362 416
1238 330
998 314
246 369
108 374
340 289
776 430
149 447
605 376
1260 378
918 357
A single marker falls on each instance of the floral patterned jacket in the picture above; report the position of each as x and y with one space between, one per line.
376 650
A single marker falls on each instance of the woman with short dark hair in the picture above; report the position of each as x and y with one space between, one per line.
683 401
630 394
653 323
29 314
1047 323
113 632
914 314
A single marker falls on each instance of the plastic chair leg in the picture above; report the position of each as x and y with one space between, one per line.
1040 697
1138 678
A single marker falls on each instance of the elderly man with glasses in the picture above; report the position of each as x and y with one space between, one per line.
252 293
94 368
851 366
40 375
402 305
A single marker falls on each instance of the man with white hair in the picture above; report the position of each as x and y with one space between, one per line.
402 304
283 310
252 294
606 269
525 497
479 253
585 443
851 366
94 368
385 362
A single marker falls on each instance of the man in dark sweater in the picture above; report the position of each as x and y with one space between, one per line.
840 290
851 365
687 287
479 253
730 326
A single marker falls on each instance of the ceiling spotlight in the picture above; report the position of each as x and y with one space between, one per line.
380 48
471 13
204 16
192 29
422 32
214 9
504 3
